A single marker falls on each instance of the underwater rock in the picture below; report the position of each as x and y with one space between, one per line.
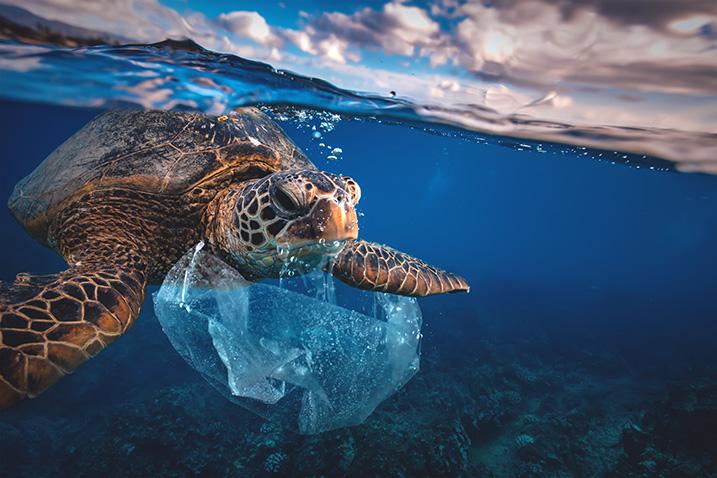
279 352
675 436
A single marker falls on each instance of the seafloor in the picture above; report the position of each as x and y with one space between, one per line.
502 401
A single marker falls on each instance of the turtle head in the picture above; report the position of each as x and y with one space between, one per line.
288 221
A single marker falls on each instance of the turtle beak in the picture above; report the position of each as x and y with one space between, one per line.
328 220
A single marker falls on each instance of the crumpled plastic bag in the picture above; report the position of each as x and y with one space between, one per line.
288 355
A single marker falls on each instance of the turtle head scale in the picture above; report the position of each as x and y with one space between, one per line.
289 219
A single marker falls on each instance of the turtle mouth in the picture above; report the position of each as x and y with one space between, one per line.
304 257
282 259
320 248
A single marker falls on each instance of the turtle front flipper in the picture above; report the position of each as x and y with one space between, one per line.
51 324
371 266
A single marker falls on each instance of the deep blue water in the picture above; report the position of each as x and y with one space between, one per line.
587 345
594 280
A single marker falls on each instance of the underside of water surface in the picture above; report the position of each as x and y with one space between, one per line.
55 62
586 346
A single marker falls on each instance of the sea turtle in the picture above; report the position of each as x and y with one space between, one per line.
128 194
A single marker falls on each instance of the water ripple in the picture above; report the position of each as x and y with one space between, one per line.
183 75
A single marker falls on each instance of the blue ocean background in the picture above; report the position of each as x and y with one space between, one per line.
534 159
586 346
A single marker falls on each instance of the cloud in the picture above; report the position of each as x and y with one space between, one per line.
328 46
538 43
546 42
149 21
396 29
657 14
138 20
659 46
250 25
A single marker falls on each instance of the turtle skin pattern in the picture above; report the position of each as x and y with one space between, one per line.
371 266
49 325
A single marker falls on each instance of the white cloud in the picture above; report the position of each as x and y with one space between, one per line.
301 39
250 25
543 43
136 20
533 42
395 29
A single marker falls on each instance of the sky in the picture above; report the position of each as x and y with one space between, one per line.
634 63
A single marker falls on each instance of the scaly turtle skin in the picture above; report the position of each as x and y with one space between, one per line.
129 193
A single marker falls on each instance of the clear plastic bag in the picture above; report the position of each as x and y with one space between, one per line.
288 355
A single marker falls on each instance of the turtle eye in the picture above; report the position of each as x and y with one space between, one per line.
285 202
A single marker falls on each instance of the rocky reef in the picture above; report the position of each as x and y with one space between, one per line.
674 436
506 404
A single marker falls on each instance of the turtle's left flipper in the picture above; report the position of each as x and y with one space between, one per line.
51 324
371 266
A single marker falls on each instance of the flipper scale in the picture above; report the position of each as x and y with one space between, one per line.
50 325
371 266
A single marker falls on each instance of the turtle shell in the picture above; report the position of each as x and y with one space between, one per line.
165 152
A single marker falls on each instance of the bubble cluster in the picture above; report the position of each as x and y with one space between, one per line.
318 124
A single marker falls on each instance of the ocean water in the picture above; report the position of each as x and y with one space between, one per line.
586 346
